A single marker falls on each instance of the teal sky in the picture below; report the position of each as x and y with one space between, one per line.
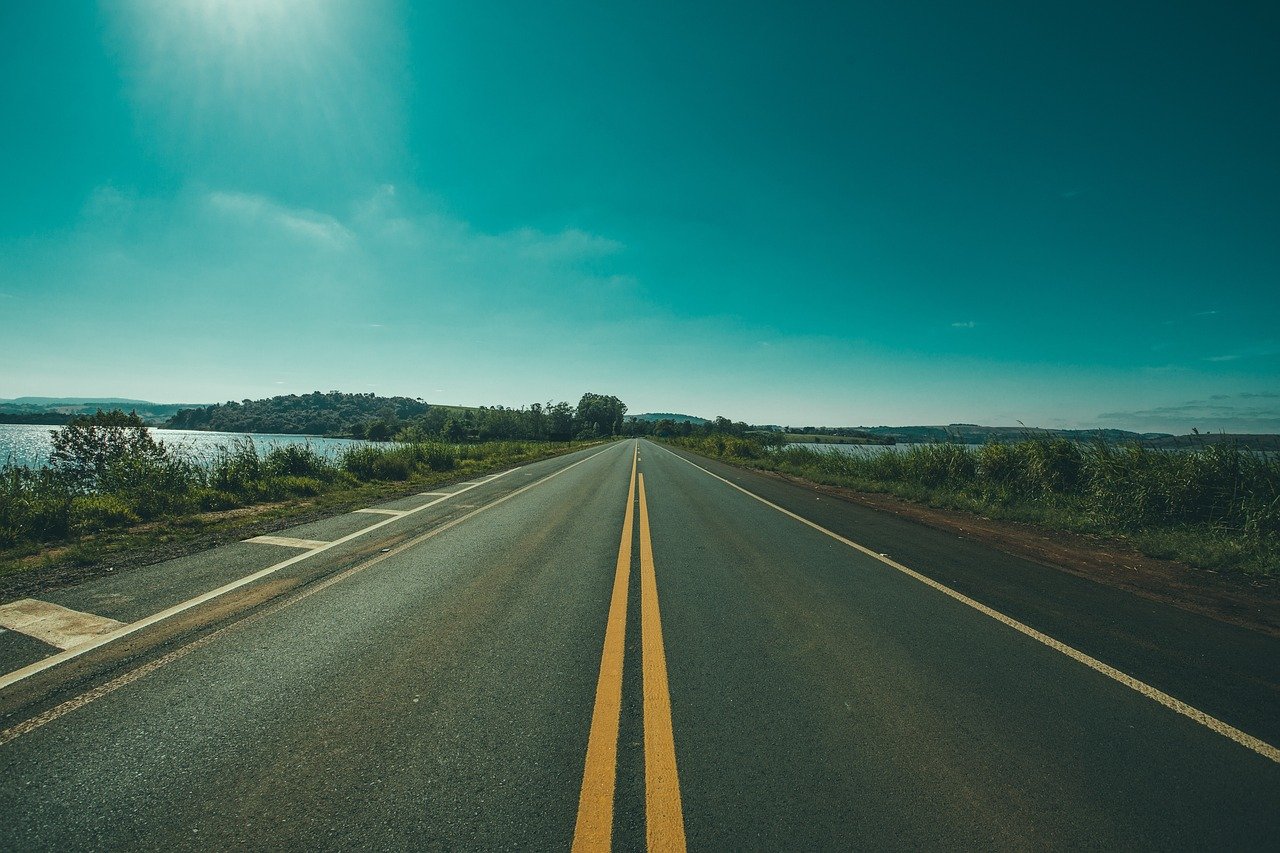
1065 214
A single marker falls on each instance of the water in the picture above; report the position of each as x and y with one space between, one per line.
29 444
866 450
871 450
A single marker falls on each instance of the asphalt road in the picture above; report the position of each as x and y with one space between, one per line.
620 646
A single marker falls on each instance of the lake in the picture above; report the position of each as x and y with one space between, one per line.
862 449
29 444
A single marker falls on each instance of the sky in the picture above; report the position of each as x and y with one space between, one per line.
854 213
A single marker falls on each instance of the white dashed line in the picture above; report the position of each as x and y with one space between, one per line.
10 678
288 541
53 624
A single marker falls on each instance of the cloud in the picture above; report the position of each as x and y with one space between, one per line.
1258 350
260 210
571 243
968 324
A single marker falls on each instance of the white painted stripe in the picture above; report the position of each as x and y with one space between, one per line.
434 494
1215 725
25 672
376 511
53 624
58 711
288 541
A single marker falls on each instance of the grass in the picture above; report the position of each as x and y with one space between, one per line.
134 501
1216 507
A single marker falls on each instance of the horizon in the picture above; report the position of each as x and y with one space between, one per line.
66 401
1061 215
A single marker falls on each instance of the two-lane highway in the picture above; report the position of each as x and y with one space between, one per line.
622 647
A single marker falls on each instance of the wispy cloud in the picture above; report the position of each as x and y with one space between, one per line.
260 210
967 324
1258 350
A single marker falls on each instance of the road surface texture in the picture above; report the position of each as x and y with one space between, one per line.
635 647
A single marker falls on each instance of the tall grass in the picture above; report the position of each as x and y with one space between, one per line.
49 505
1216 506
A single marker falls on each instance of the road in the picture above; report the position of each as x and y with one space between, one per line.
628 646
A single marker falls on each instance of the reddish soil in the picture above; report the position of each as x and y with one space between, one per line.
1237 599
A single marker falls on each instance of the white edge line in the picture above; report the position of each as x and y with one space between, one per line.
11 678
1212 723
58 711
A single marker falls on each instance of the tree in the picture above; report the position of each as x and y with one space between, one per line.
89 448
559 421
453 431
600 415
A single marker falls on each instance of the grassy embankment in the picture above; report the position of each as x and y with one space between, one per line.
149 499
1216 507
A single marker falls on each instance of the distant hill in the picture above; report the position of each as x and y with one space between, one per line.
56 410
654 417
978 434
1251 441
113 402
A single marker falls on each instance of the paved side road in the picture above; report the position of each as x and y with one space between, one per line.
623 640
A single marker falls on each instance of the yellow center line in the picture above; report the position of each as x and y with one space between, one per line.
594 829
664 817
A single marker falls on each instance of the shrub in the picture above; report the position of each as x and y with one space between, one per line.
297 460
35 506
303 487
88 448
360 461
236 468
100 512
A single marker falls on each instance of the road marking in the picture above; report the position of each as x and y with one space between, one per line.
288 541
17 675
474 483
1212 723
433 494
664 817
376 511
53 624
27 726
594 828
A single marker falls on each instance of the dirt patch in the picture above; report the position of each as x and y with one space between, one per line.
1249 603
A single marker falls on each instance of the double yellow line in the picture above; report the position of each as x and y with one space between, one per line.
664 817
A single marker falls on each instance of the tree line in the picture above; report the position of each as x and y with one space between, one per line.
377 418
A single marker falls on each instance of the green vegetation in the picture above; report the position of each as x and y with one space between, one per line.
674 417
1216 507
107 472
834 438
400 418
334 413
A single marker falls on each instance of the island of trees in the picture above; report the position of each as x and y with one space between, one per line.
377 418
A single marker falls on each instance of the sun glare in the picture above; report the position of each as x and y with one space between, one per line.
286 76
